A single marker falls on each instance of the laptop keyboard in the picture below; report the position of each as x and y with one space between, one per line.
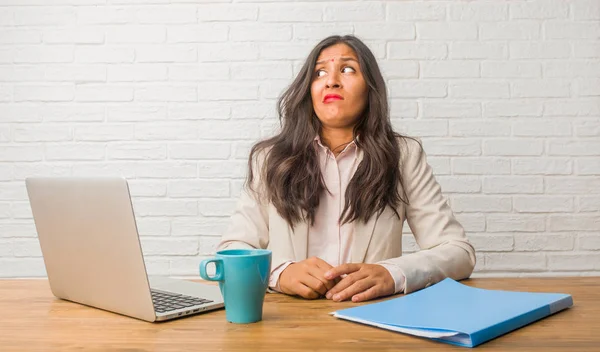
168 301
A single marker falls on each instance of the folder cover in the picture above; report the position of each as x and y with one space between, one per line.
458 314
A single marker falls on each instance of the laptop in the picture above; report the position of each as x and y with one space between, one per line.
92 252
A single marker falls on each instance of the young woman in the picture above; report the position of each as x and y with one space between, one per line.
329 194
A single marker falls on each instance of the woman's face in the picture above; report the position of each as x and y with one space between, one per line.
338 89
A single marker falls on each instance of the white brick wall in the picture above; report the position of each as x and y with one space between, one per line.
172 93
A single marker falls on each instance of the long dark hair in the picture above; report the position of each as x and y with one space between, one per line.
291 178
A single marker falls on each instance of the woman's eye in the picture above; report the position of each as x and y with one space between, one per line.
348 69
320 73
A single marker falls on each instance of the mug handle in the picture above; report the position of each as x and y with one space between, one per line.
219 269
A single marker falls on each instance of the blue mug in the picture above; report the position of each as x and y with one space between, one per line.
243 276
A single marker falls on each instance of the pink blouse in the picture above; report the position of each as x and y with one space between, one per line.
327 239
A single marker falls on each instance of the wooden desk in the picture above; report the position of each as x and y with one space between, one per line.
31 319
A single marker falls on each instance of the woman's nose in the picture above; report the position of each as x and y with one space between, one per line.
333 80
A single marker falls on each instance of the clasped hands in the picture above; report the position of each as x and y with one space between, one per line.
313 278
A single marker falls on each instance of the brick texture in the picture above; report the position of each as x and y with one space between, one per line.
505 96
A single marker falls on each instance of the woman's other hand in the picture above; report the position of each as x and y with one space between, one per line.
307 279
362 282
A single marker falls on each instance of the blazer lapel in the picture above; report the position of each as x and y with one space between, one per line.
363 232
300 240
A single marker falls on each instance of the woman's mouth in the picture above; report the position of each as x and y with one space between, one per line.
331 98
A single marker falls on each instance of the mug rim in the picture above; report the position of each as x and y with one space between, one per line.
250 252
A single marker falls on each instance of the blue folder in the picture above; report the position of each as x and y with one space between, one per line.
458 314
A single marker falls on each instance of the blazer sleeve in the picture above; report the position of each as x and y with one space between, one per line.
444 248
249 224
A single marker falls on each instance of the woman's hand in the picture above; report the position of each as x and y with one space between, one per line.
362 283
306 279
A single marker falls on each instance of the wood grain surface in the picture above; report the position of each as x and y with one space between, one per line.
31 319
